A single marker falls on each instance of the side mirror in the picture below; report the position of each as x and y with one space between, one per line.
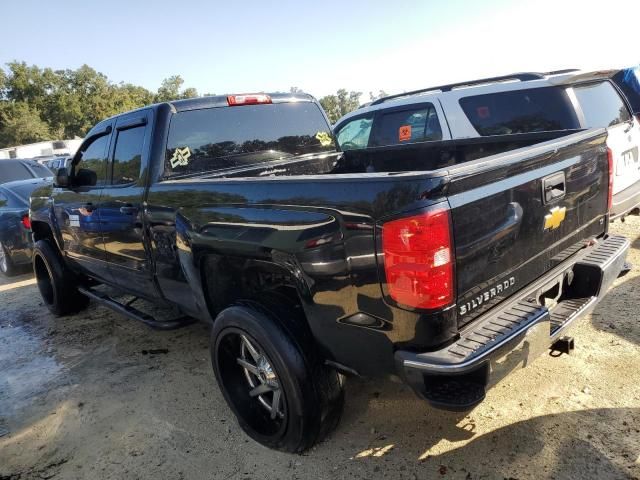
85 178
62 178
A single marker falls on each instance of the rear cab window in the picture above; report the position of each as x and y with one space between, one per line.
521 111
220 138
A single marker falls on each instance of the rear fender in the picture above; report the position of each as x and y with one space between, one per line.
223 249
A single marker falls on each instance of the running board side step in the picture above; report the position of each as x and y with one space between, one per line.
128 311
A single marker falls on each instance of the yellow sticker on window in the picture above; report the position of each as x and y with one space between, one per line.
324 138
180 157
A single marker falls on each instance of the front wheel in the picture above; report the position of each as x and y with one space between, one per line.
280 392
57 285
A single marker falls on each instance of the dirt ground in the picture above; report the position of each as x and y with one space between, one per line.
98 396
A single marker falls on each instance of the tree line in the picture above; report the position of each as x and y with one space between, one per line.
39 104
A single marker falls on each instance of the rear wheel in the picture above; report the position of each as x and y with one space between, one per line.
279 390
7 268
57 284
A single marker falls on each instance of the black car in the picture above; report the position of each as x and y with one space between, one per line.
22 169
15 226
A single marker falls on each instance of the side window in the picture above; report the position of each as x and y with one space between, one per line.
4 201
354 135
127 158
601 105
94 158
528 110
12 170
41 170
419 124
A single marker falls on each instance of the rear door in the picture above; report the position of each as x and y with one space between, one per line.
602 106
121 207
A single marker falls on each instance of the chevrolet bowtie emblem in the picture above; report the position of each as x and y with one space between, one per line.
554 218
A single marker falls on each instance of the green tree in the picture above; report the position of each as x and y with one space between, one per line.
20 123
380 94
340 104
170 89
43 104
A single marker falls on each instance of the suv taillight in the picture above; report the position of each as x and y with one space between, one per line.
26 222
610 194
418 259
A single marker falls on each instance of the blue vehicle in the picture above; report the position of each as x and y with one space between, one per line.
628 80
15 225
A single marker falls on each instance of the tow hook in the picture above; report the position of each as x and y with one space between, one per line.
562 345
625 269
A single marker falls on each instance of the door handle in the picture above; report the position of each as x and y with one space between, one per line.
553 187
128 209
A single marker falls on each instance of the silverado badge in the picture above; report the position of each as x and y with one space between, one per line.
554 218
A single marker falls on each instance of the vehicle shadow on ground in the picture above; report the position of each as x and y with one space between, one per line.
576 444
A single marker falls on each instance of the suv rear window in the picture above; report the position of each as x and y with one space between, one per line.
601 105
11 170
418 124
226 137
520 111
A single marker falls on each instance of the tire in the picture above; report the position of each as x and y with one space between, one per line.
7 267
57 284
311 395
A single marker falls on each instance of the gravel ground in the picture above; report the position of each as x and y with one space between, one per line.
98 396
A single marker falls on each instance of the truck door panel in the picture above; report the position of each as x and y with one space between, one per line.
78 214
121 207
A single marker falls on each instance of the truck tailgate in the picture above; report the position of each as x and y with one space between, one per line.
517 215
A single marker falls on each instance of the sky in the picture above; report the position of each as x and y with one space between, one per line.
249 46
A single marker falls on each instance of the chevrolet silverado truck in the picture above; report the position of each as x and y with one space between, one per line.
313 264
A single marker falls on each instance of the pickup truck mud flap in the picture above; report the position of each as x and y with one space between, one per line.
516 332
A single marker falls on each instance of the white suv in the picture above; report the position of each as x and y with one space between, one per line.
524 103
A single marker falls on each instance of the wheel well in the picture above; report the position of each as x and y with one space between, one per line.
228 280
41 231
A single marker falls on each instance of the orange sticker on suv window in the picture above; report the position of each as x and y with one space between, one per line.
404 133
483 112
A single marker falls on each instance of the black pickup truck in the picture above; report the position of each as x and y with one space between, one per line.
312 264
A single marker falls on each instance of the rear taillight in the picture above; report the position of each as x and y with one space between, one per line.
248 99
418 259
26 222
610 194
